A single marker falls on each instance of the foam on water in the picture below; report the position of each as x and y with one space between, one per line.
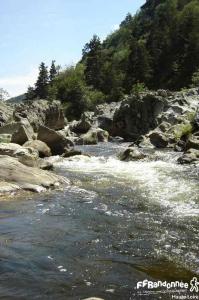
160 182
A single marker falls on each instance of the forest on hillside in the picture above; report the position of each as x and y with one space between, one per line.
158 48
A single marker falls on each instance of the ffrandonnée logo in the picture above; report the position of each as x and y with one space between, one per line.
193 285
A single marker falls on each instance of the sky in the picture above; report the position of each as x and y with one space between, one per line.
32 31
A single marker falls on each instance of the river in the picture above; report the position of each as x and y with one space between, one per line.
117 224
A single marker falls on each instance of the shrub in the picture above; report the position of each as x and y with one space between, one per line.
138 88
184 129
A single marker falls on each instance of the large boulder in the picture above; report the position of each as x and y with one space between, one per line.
104 114
93 136
160 110
102 135
41 147
41 112
21 136
192 142
6 112
180 146
21 132
84 124
158 139
9 149
27 156
144 142
89 138
164 126
56 141
105 122
137 115
28 178
9 128
191 156
131 154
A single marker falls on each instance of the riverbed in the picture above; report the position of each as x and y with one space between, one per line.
118 223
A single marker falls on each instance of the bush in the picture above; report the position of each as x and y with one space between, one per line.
138 88
181 130
195 79
70 87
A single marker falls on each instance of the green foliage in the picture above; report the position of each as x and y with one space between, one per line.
52 92
138 88
44 87
159 46
41 86
184 129
73 92
53 72
195 79
93 55
30 94
190 116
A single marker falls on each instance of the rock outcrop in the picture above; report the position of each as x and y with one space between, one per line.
41 147
191 149
16 176
89 138
93 136
193 142
190 156
84 124
131 154
6 112
137 115
20 132
56 141
104 114
41 112
27 156
158 139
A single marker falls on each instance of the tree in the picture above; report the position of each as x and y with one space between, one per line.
52 92
53 72
41 86
195 79
30 94
188 42
3 95
138 68
93 63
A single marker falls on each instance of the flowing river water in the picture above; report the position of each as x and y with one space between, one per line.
117 224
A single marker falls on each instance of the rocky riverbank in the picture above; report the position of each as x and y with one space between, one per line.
160 119
32 131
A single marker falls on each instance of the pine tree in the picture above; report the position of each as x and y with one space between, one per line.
30 94
92 72
41 86
138 68
53 72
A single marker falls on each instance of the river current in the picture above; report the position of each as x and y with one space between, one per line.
116 224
